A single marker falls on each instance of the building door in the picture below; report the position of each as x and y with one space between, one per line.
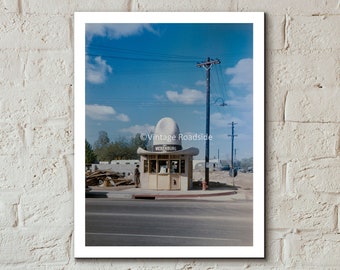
174 174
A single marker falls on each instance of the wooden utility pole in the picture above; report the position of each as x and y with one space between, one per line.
207 65
233 172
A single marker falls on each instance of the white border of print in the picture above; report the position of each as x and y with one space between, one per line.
258 248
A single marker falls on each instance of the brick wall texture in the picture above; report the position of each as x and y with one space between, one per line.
302 133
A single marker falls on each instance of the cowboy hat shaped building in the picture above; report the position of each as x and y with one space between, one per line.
168 166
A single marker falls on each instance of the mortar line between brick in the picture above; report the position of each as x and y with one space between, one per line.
129 5
337 146
336 218
20 7
286 31
18 213
284 107
69 173
284 178
284 253
312 122
71 36
281 251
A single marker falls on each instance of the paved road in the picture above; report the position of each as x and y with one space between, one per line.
114 222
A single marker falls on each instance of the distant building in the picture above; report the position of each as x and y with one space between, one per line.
125 167
199 164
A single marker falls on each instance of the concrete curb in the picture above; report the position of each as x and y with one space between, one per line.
155 195
180 196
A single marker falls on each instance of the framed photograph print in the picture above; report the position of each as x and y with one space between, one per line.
169 135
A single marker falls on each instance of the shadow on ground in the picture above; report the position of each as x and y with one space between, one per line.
197 185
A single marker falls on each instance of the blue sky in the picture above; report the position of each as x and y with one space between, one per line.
138 73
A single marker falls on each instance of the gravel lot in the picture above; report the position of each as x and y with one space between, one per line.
243 182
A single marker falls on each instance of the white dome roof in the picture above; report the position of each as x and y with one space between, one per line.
166 136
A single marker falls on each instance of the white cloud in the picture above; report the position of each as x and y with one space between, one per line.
143 129
99 112
242 74
123 117
117 30
104 113
199 112
188 96
159 97
244 102
223 120
218 120
97 70
200 83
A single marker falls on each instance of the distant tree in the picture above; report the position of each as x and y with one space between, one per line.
101 146
90 156
103 140
137 141
122 148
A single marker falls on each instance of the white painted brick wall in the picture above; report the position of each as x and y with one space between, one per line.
313 105
303 133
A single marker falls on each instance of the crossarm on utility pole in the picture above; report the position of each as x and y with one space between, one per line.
207 64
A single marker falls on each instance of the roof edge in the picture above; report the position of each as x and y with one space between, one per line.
193 151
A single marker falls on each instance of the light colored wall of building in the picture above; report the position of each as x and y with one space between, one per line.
302 128
158 181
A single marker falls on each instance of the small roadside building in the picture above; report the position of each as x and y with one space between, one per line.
168 166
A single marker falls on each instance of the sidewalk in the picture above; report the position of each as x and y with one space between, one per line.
130 192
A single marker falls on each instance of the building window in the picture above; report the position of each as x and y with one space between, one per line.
182 166
163 166
174 166
146 166
152 168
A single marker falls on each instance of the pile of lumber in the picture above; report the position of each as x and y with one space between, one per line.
105 178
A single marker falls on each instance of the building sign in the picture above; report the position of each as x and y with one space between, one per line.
166 148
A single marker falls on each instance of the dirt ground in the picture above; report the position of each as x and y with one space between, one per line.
243 182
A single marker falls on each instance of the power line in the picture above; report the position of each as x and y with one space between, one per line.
139 102
140 59
140 52
137 55
219 84
224 85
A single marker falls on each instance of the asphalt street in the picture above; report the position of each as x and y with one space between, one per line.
121 222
